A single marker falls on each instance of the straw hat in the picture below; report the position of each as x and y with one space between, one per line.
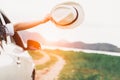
67 15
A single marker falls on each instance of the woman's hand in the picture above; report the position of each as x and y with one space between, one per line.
47 18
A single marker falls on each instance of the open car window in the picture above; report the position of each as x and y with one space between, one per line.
2 28
13 39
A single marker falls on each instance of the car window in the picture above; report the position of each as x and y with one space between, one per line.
2 28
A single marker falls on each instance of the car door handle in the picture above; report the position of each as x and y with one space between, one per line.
18 61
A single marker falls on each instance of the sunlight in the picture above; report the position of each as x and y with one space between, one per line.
100 20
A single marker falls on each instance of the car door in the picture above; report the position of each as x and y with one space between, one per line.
15 63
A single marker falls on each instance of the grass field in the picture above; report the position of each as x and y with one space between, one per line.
47 64
83 66
35 54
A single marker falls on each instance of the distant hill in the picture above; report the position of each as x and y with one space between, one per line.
82 45
103 47
62 43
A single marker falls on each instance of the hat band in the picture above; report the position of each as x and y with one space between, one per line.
72 21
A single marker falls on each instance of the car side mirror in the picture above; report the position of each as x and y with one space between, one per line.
33 45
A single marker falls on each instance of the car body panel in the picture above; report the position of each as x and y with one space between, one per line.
15 64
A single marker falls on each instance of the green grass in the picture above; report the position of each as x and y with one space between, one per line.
83 66
48 64
35 54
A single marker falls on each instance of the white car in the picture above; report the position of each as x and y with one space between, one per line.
15 62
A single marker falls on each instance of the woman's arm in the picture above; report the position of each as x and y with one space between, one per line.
27 25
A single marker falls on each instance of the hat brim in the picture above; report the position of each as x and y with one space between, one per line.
80 16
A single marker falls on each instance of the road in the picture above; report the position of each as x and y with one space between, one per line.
43 60
52 72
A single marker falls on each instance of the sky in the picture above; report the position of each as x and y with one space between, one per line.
101 22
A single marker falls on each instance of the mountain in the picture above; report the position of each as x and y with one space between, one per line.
25 35
103 47
82 45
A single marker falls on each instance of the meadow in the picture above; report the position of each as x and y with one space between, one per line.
84 66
